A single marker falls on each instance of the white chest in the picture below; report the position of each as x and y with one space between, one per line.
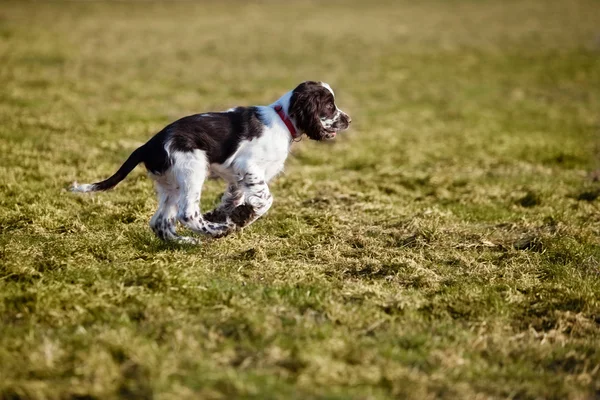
265 155
268 153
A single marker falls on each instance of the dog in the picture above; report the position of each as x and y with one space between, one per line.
245 146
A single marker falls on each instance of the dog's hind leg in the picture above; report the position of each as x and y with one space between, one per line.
164 221
189 169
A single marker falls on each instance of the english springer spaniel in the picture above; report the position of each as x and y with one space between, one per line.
246 146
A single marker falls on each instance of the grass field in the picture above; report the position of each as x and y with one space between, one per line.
447 246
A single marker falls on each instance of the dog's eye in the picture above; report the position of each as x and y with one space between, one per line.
329 106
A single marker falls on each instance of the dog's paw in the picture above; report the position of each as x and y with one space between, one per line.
83 188
242 215
215 216
187 240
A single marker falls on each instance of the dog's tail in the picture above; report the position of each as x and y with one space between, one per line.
134 159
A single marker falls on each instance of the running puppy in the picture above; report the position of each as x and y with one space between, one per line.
246 146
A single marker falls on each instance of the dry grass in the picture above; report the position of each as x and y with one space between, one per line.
446 247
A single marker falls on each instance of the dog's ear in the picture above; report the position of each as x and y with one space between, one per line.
305 108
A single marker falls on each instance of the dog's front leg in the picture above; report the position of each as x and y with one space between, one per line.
256 197
258 200
232 198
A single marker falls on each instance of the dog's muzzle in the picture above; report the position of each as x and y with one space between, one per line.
345 121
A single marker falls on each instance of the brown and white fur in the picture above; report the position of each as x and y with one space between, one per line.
246 146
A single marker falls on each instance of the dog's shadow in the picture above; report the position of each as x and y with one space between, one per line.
147 243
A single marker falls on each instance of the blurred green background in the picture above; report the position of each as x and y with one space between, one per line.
444 247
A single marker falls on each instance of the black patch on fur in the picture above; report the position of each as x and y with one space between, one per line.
218 134
216 215
242 215
155 156
255 183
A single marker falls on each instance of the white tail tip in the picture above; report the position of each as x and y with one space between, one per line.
86 187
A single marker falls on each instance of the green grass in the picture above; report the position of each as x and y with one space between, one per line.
447 246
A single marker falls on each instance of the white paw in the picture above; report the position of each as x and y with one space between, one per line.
187 240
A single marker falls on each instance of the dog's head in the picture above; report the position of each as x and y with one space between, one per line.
312 108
